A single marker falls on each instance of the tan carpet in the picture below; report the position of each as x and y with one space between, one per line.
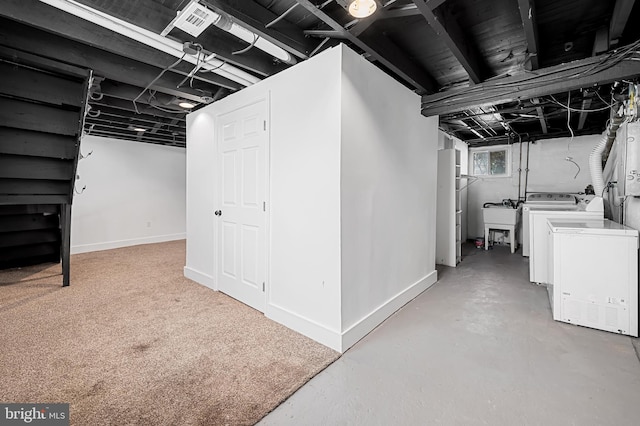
132 341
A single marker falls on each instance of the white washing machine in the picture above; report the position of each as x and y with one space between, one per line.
543 201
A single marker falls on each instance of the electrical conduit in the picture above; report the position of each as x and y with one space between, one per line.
595 158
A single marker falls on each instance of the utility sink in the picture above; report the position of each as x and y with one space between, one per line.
501 215
501 218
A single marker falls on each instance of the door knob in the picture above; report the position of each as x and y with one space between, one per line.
218 213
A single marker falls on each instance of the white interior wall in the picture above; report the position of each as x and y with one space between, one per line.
388 196
388 193
135 194
548 172
303 289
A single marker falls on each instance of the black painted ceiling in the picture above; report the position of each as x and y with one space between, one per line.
434 47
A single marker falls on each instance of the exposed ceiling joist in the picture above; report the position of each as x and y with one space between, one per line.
255 17
383 13
95 129
621 13
126 107
407 10
540 112
152 15
43 16
386 53
601 41
103 63
449 31
400 12
560 78
325 33
175 124
528 16
365 23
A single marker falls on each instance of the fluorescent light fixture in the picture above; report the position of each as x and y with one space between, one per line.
186 105
151 39
195 18
362 8
138 129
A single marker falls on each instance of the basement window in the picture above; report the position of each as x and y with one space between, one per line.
490 162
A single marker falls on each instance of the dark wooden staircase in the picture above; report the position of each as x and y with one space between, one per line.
42 110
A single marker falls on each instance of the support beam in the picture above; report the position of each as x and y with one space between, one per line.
543 122
446 27
408 10
254 17
528 16
587 97
385 52
539 110
621 12
601 41
560 78
401 12
324 33
39 15
65 249
26 39
175 125
383 13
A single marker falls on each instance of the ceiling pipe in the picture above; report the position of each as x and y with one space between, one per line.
195 17
151 39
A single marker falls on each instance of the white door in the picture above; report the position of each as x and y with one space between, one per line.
241 210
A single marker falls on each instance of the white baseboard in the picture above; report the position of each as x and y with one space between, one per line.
363 327
305 326
85 248
200 277
343 341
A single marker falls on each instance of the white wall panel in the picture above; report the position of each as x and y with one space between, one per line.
135 194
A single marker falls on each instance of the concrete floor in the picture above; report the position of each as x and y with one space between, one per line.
479 347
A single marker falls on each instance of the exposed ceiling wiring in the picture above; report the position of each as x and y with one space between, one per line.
606 62
135 106
555 101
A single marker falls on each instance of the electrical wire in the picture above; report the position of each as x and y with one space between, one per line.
135 106
603 101
624 200
213 69
196 68
79 192
246 49
571 161
281 17
569 121
152 96
555 101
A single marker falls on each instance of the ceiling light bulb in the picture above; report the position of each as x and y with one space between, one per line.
139 129
362 8
186 105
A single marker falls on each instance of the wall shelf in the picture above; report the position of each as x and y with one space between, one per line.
449 209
